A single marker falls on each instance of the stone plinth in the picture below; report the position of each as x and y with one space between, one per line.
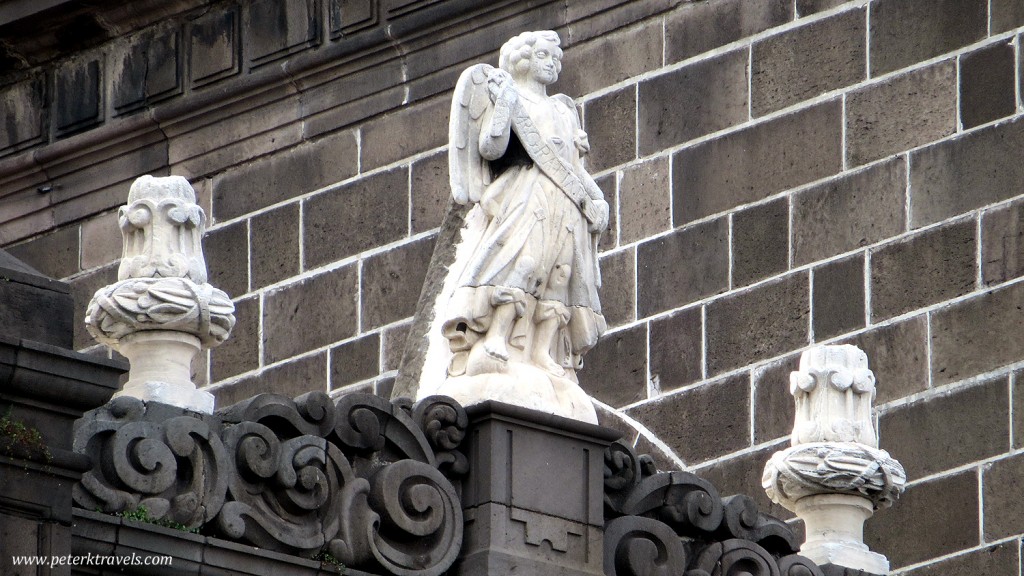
533 499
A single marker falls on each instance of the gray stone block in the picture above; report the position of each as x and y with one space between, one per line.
987 84
959 175
77 97
849 212
364 214
808 7
695 100
618 287
948 506
227 258
214 45
901 113
805 62
692 422
837 297
54 254
615 371
101 241
241 352
310 313
356 360
34 307
1002 243
977 335
904 32
431 192
23 103
393 346
927 437
897 354
610 123
924 269
662 284
622 54
277 29
756 162
999 560
146 70
757 324
698 27
737 474
773 406
609 186
1001 481
290 379
645 201
274 245
391 282
676 349
760 242
1006 15
82 289
403 133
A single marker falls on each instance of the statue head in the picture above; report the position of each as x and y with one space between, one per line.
535 54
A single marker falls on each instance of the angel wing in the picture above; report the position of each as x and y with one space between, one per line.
468 171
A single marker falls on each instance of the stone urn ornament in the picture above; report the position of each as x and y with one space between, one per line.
161 312
520 305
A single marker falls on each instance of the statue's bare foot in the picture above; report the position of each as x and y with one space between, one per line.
546 363
495 348
483 361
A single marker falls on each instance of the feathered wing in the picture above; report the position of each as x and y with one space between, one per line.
468 171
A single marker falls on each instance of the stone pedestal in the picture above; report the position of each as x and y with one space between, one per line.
533 499
161 369
835 531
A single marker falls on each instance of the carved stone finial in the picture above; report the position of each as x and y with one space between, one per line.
161 311
834 476
519 307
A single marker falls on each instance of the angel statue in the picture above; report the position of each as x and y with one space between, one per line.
524 306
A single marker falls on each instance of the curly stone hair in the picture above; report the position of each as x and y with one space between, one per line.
519 48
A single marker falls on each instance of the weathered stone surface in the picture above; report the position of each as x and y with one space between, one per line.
615 371
82 289
402 133
676 349
924 269
101 241
773 406
697 27
78 101
285 175
355 360
391 282
610 123
393 346
618 287
277 29
310 313
959 175
1006 14
987 85
147 70
610 188
899 357
623 54
663 284
998 560
430 192
1002 243
737 474
756 162
23 103
757 324
213 39
837 297
693 423
808 7
928 437
807 61
901 113
54 254
290 379
227 256
644 200
361 215
977 335
851 211
1000 481
241 352
693 101
906 32
760 242
274 245
947 505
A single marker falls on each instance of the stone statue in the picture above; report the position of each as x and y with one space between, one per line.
523 306
161 311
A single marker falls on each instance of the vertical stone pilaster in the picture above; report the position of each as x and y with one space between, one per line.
534 496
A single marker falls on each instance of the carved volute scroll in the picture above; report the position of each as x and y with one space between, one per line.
161 311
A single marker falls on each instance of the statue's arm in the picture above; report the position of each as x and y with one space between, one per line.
497 125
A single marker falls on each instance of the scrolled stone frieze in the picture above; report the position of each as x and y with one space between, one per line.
638 546
273 472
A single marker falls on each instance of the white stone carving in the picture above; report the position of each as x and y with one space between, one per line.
521 306
161 311
834 476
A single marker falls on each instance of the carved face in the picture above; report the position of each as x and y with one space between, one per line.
545 62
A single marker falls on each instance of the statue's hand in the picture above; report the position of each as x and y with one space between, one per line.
582 142
596 213
499 85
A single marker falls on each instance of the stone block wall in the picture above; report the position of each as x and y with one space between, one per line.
782 173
